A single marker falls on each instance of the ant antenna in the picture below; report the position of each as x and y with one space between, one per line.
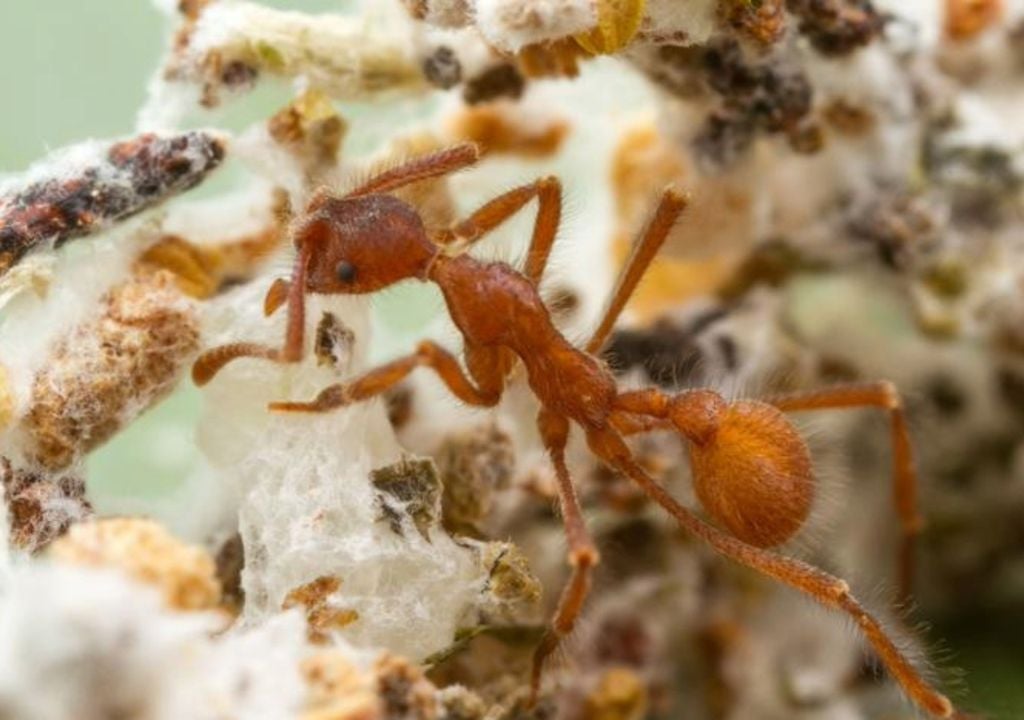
672 204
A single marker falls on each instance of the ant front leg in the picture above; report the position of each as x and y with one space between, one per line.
376 381
213 361
882 395
824 588
583 556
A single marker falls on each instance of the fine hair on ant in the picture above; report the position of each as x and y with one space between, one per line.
751 469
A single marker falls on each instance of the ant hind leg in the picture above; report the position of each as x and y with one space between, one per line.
583 556
644 250
882 395
828 590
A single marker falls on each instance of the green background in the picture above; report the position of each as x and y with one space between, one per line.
77 69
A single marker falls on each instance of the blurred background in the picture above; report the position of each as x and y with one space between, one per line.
74 70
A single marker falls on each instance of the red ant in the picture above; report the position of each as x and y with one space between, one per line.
751 470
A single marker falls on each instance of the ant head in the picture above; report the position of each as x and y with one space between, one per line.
363 244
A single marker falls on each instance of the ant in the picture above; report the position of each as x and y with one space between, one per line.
751 470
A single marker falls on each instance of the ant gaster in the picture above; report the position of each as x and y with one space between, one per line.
751 470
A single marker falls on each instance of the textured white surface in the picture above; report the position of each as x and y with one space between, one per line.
511 24
90 644
306 505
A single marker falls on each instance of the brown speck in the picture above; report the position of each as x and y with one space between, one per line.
837 27
848 118
498 81
333 343
473 466
322 615
410 488
763 22
442 68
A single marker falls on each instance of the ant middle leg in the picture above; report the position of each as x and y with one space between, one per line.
826 589
547 191
583 556
485 393
882 395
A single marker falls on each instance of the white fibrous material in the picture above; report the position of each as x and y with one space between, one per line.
448 13
86 188
919 22
37 315
695 19
307 508
110 369
90 644
337 54
512 24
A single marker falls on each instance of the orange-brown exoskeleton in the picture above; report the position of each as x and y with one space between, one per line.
751 469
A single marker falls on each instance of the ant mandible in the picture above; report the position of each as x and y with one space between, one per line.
751 470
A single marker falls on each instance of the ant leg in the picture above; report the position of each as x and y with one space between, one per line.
425 167
583 556
671 206
828 590
881 395
213 361
382 378
626 423
548 192
640 411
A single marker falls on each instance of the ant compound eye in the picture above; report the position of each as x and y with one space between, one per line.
345 271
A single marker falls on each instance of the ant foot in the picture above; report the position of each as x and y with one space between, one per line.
334 397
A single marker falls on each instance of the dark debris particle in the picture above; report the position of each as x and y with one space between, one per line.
837 27
237 75
763 21
230 561
771 263
723 139
133 176
624 640
759 95
1011 389
334 341
668 353
409 488
899 227
946 395
399 402
403 690
498 81
473 466
442 68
